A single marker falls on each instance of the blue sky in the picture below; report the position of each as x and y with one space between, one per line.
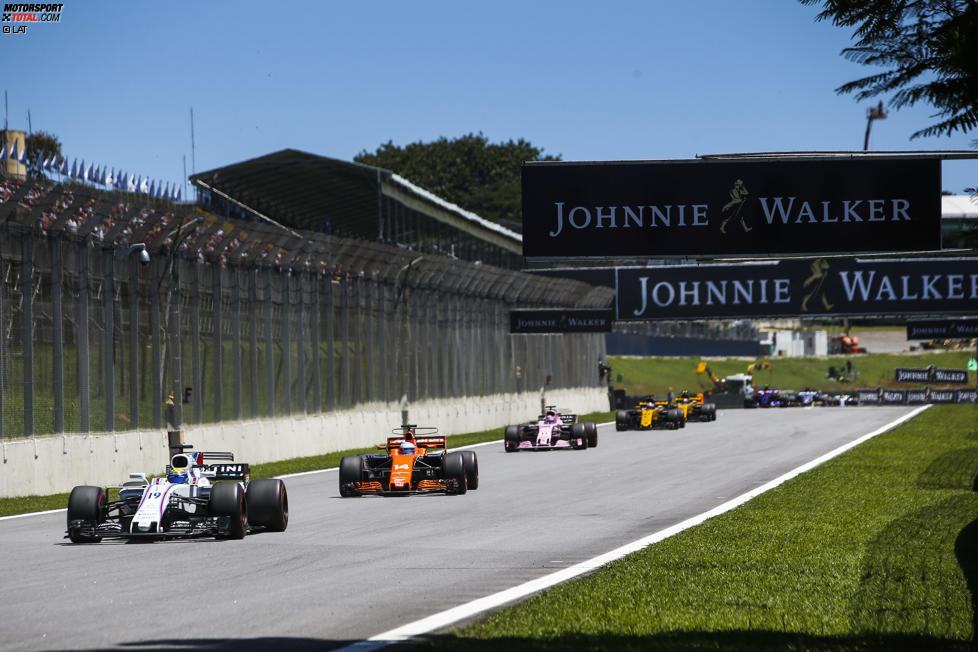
115 81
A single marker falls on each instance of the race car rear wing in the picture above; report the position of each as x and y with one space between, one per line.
568 419
421 441
239 471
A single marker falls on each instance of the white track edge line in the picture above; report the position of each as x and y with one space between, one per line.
469 609
50 511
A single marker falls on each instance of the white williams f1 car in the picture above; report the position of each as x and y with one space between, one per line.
191 499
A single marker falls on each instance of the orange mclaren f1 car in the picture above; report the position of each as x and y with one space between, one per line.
415 461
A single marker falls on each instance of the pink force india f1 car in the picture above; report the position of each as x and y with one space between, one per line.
553 430
191 499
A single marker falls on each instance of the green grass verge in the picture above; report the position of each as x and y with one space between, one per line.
657 375
876 549
11 506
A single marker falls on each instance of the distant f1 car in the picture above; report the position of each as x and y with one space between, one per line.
191 499
696 408
649 414
765 398
416 461
553 430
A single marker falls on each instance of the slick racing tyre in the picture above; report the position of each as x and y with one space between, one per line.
350 471
268 504
511 439
592 433
710 410
86 503
228 500
471 464
674 416
621 420
578 433
453 468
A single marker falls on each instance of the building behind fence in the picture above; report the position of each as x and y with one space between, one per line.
240 320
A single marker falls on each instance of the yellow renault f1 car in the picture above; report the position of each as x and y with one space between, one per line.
649 414
695 407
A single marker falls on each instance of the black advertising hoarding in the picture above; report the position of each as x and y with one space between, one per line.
932 375
798 288
724 207
929 329
560 321
881 396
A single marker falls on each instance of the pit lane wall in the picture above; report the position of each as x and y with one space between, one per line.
55 464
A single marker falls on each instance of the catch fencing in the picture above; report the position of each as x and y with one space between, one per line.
233 320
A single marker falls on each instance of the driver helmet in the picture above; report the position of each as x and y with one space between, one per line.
407 448
177 476
551 416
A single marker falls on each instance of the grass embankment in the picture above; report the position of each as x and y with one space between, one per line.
656 375
11 506
876 549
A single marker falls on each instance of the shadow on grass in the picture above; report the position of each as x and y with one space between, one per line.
694 641
918 574
966 550
953 470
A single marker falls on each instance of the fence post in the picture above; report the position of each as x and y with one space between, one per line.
385 382
347 384
236 339
253 337
156 345
287 341
108 317
317 383
217 312
356 319
369 326
134 374
198 390
269 353
175 406
27 313
57 324
330 344
300 343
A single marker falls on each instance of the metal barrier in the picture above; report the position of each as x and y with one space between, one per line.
240 320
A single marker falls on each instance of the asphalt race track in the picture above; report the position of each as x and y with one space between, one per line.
347 569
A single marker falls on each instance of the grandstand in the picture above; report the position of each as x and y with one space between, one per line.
303 191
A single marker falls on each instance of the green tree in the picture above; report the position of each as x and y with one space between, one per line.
40 146
479 176
929 49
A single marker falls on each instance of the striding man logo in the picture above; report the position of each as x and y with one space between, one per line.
733 209
820 271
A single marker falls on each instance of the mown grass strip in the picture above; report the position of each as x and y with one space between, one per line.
24 505
876 549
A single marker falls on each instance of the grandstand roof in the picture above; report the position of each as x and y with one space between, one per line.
304 191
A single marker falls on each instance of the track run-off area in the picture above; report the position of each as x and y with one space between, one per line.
348 569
